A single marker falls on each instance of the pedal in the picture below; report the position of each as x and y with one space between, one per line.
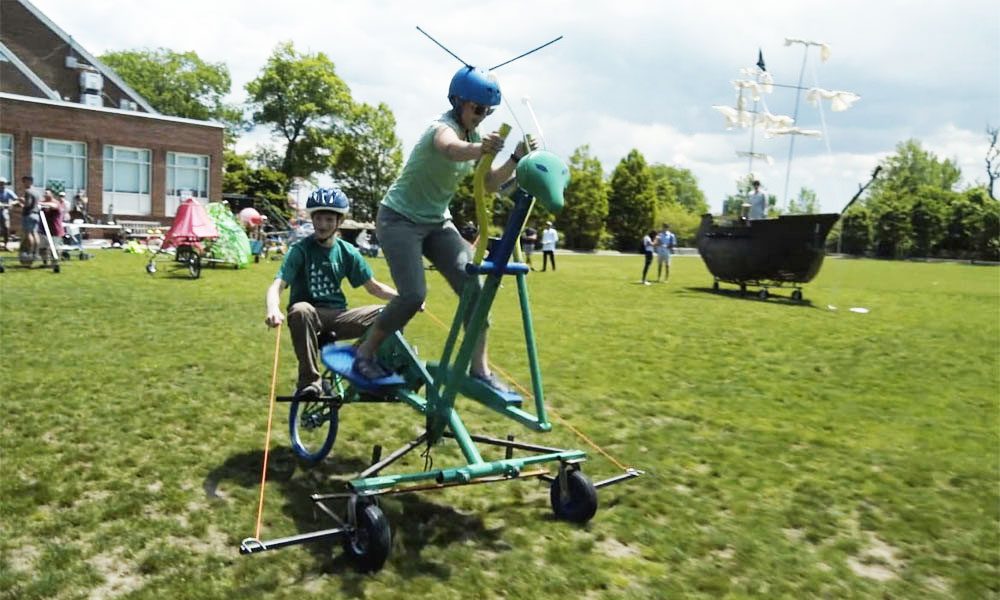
340 360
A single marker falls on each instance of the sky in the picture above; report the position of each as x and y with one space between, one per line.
627 74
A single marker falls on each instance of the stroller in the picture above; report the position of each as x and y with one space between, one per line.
192 233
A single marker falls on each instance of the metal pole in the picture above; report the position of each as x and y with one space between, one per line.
795 120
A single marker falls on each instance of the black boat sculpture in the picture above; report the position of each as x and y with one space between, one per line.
768 252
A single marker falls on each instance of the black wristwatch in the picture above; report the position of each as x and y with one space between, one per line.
514 157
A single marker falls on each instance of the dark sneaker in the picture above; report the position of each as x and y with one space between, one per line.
370 369
308 392
492 381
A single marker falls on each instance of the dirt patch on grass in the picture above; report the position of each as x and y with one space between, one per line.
878 561
22 557
615 549
120 576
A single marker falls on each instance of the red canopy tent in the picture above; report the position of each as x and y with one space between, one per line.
191 224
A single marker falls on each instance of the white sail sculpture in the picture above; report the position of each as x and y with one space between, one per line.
756 83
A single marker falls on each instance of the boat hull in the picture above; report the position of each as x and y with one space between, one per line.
787 249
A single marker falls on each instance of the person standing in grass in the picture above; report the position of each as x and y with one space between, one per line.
550 237
7 198
647 251
414 220
665 243
314 268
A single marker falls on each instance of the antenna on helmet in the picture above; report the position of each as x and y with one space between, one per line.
527 53
440 45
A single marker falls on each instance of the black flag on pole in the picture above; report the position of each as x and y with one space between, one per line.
760 59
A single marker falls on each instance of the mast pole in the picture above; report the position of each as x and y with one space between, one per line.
795 119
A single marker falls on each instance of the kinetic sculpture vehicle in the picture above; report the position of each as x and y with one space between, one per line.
787 249
432 389
202 236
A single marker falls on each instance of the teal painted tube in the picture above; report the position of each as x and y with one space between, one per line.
529 341
465 442
464 300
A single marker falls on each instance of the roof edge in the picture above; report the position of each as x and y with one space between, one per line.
28 73
105 109
103 68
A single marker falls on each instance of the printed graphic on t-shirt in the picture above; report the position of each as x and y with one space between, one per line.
321 281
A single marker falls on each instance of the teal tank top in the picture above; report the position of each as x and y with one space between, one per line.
424 189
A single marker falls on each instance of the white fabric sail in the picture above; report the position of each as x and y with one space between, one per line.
839 99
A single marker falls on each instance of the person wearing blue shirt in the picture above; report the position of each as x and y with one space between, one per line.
665 243
7 197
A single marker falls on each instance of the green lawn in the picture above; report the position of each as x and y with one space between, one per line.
790 450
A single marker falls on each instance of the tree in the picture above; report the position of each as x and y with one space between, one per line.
684 188
242 174
805 204
301 98
892 232
856 230
912 167
631 202
992 160
369 157
586 209
928 219
178 84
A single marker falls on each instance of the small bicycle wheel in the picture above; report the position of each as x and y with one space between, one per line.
194 265
371 540
312 426
579 503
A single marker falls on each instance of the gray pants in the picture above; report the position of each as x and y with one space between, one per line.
306 322
404 243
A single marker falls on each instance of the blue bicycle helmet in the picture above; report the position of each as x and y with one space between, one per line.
331 199
473 84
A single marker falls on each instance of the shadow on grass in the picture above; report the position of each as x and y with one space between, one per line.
752 295
415 523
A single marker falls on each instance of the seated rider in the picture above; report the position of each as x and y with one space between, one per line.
314 269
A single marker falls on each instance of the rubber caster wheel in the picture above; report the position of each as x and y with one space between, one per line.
55 268
151 268
743 289
797 295
763 294
369 543
578 502
715 286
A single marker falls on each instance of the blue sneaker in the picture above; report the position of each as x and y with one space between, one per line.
492 382
370 369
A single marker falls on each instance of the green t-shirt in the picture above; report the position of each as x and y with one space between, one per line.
424 189
314 273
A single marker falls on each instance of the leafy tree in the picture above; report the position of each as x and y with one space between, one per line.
631 202
856 230
805 204
582 220
928 219
369 157
911 167
301 97
684 188
892 232
243 175
179 84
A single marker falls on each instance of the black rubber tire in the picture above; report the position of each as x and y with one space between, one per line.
763 294
797 295
55 268
194 265
311 416
371 541
580 504
715 286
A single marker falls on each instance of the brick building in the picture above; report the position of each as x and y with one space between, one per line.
73 124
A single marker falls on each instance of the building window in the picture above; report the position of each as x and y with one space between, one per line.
7 157
187 177
126 181
59 165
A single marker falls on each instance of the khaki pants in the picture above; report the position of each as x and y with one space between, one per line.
306 322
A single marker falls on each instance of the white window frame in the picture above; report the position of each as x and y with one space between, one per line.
176 195
7 158
39 166
127 202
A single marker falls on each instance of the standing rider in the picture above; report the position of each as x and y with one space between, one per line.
414 220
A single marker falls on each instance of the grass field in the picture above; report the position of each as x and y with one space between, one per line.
790 450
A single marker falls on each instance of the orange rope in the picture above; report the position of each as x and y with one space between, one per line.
526 393
267 439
